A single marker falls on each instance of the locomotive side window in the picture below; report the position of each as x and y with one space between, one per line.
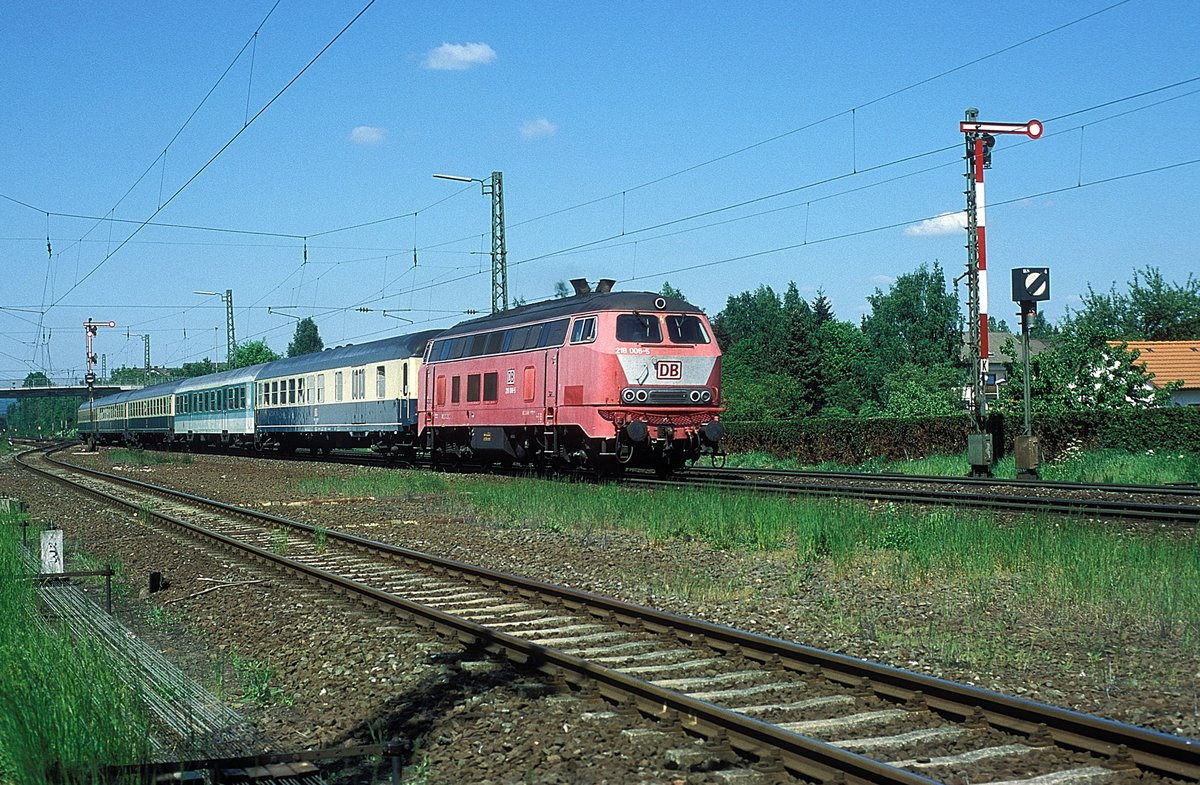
638 328
457 347
686 329
494 341
441 391
455 389
556 333
473 388
491 386
477 345
584 330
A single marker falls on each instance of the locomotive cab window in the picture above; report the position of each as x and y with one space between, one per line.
638 328
686 329
584 330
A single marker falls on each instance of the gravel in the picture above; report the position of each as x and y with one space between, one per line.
342 675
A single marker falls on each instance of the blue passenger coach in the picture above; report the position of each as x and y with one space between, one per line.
362 395
217 409
134 417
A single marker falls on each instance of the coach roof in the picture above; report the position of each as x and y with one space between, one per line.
569 306
395 348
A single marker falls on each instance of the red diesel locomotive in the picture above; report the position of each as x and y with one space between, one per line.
602 380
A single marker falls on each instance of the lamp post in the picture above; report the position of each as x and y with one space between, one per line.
231 341
493 186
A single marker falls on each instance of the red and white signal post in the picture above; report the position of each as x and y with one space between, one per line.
980 140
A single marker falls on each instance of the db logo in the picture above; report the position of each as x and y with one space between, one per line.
669 370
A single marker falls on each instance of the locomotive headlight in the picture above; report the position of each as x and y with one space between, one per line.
642 396
705 396
695 396
627 395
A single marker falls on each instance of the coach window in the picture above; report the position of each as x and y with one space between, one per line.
404 383
312 390
291 398
300 390
337 386
638 328
274 393
320 388
473 388
491 386
380 381
584 330
455 389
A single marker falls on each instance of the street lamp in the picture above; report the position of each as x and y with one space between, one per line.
231 341
493 186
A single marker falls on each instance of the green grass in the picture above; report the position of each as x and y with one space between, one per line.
1092 466
65 711
1054 565
142 458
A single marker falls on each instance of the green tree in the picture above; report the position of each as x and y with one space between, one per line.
1062 379
822 308
668 290
253 353
37 379
561 290
306 340
848 369
1152 310
917 321
201 368
913 391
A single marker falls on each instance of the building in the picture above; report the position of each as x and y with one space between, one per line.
1170 361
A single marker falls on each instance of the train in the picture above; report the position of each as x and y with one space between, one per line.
602 380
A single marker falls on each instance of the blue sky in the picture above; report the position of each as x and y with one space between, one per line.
626 132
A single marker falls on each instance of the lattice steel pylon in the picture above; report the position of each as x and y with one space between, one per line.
230 338
499 252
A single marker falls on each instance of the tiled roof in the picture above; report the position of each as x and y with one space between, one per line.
1169 360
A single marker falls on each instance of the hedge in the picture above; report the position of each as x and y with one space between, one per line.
854 440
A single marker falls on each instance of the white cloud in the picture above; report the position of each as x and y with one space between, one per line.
536 129
946 223
883 280
368 134
458 57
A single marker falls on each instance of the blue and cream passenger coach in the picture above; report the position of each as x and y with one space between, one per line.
362 395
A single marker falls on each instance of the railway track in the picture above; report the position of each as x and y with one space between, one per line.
1163 504
1171 504
787 708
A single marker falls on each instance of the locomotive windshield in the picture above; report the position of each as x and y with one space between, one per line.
638 328
686 329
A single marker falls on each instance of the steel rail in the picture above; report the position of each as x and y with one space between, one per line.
1185 490
1121 743
1113 508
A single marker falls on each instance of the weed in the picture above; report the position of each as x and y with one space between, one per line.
320 538
159 618
279 540
255 677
